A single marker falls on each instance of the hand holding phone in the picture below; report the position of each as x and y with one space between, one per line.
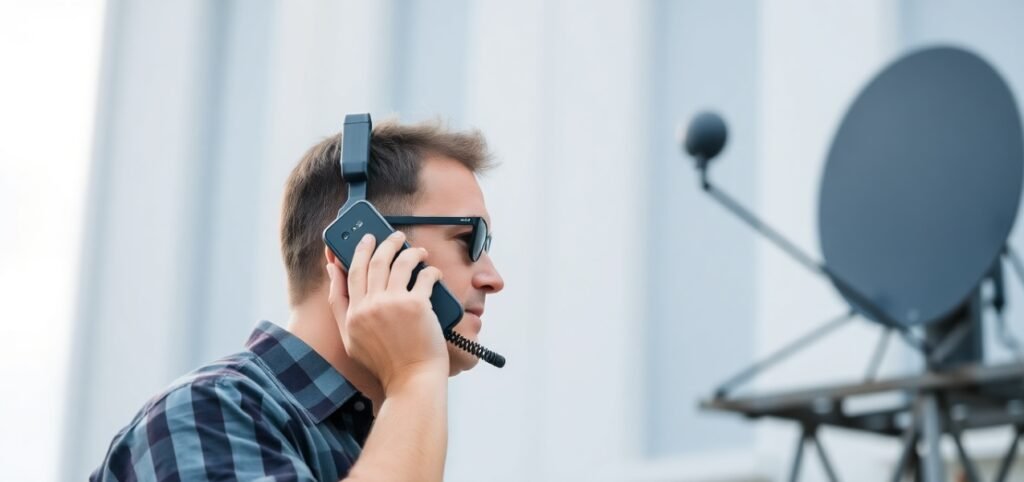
386 324
360 218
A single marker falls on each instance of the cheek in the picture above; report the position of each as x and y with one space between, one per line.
458 279
451 260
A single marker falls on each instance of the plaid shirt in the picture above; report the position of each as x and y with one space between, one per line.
277 411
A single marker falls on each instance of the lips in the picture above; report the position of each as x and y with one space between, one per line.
473 323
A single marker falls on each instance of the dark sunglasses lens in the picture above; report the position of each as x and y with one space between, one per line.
479 240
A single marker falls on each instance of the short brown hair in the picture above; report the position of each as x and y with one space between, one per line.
315 189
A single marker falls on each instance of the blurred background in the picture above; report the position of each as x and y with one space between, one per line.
146 146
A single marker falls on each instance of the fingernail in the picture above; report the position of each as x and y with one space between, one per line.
367 239
396 235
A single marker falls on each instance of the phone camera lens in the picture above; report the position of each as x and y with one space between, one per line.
344 235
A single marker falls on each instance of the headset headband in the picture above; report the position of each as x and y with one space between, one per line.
355 155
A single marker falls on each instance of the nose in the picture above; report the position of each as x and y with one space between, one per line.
486 277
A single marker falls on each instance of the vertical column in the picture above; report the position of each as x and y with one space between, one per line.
700 318
327 59
505 99
815 57
139 253
236 106
560 89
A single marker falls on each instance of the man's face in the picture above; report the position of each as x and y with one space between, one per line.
447 188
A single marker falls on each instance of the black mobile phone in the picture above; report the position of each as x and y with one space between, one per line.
361 218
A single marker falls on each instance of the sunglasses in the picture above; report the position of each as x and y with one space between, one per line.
481 239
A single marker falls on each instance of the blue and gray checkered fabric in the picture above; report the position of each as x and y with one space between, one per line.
276 411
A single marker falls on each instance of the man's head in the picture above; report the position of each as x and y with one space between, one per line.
414 170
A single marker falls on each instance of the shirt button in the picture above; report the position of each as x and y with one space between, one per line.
359 406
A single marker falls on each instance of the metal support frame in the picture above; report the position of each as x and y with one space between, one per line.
983 389
931 420
1011 454
955 432
809 434
781 354
909 461
934 468
878 355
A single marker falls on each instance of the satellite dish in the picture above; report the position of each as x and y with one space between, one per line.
920 190
922 184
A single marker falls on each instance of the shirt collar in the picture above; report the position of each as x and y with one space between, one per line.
314 383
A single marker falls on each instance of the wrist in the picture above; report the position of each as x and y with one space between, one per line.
418 377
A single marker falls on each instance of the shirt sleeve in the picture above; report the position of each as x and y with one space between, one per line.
217 429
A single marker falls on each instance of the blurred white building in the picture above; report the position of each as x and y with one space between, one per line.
629 294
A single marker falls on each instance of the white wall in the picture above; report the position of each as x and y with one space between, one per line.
49 57
618 271
189 180
815 57
701 284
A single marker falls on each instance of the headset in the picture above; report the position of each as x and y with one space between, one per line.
358 217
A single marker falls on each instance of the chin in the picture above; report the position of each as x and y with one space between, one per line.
460 361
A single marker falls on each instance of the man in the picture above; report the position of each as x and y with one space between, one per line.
360 347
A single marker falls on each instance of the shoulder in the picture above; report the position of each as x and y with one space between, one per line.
201 421
233 381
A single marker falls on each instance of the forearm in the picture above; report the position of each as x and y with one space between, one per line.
409 439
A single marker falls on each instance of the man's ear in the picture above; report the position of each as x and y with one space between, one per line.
331 258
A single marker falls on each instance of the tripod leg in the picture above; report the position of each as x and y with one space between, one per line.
824 458
908 454
968 464
954 430
915 464
1011 455
794 472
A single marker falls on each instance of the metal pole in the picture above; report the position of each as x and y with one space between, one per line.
931 432
765 230
876 358
850 291
968 464
781 354
907 455
825 463
794 472
1011 455
955 431
951 342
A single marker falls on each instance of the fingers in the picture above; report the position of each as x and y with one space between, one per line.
425 281
357 269
401 271
380 265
